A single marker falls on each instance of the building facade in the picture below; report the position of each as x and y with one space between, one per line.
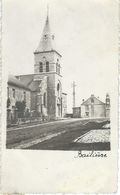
76 112
93 107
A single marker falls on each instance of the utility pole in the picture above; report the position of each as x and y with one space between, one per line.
73 86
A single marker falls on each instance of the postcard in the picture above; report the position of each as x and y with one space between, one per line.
59 94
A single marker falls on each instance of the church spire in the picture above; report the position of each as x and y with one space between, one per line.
47 12
47 42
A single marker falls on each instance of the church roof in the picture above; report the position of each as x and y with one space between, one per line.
47 42
31 81
34 85
12 80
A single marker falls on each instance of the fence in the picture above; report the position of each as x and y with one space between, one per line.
21 118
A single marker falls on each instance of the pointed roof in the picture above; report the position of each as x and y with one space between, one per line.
47 42
96 101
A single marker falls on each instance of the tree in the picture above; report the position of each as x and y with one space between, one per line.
20 108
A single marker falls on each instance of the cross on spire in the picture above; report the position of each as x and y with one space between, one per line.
47 9
47 13
47 41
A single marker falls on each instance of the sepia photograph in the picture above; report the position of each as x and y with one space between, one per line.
59 115
58 90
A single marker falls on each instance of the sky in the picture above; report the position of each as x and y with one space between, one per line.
85 34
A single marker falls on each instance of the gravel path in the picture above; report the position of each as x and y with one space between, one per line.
95 136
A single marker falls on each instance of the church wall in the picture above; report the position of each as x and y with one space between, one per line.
39 57
43 91
58 95
51 96
64 104
54 103
33 101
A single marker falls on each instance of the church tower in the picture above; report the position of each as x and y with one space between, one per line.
48 63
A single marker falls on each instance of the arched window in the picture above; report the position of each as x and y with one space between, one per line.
58 86
58 89
56 67
41 67
24 96
47 66
44 99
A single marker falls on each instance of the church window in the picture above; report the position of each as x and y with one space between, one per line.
13 93
47 66
45 36
44 99
56 67
24 96
41 67
8 91
58 89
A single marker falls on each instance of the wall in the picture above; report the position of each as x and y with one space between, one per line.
97 110
58 80
19 96
76 112
51 57
64 104
52 80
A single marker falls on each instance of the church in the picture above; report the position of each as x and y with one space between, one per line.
45 85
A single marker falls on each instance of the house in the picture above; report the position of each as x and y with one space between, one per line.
94 107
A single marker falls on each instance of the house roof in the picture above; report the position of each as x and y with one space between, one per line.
12 80
96 101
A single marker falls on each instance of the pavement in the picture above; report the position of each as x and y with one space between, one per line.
56 135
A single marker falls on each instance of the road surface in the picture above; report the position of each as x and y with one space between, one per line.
58 135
